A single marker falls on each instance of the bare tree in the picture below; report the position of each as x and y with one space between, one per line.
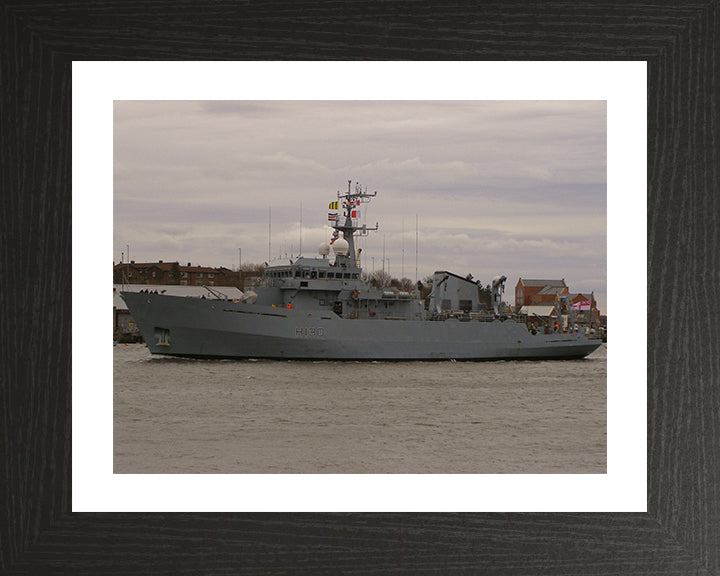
380 279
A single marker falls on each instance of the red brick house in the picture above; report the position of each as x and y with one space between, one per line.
538 292
172 273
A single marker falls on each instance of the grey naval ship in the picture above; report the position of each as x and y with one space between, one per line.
322 308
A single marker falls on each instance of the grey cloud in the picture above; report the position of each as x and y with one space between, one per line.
512 187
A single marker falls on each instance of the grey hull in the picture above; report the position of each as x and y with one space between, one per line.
210 328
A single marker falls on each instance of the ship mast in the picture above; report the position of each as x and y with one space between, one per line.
351 201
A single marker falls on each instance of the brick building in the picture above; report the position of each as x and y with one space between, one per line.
173 273
531 295
538 292
585 307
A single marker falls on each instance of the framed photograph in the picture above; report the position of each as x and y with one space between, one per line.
44 531
401 455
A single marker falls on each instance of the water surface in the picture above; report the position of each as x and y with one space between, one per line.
265 416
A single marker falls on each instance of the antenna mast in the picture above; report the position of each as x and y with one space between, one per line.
402 245
351 201
416 247
269 233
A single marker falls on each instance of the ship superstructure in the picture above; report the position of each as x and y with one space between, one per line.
322 308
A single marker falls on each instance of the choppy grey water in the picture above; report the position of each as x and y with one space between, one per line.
264 416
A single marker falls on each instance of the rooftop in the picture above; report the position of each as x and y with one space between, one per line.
169 265
533 283
550 290
539 310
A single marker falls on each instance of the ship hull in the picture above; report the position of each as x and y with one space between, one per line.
211 328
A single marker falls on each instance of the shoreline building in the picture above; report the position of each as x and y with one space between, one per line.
174 274
538 292
540 300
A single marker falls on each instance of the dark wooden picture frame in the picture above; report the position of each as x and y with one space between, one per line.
680 533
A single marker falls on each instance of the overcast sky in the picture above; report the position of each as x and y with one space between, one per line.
514 188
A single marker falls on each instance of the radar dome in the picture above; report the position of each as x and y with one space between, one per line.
340 247
324 249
